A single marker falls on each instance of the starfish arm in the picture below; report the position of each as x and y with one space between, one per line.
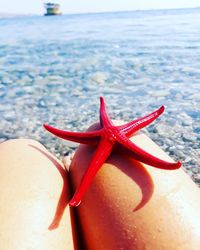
141 155
104 118
131 127
101 154
80 137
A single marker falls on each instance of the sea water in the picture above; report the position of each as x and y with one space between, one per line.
53 69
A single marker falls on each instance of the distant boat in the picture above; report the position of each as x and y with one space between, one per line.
52 9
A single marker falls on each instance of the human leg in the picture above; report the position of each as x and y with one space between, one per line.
135 206
34 195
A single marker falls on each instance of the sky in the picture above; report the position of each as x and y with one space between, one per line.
87 6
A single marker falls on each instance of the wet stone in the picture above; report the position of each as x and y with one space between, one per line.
189 137
99 77
197 178
3 139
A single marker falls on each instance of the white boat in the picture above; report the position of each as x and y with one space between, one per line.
52 9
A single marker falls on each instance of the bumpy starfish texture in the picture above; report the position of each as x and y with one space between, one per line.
108 136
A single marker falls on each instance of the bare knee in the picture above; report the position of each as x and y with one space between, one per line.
21 151
15 143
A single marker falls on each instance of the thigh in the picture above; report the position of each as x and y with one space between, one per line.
33 199
130 205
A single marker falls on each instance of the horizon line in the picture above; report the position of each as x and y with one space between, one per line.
7 14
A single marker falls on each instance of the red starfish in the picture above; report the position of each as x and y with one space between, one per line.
107 137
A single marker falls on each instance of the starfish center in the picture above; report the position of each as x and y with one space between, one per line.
109 134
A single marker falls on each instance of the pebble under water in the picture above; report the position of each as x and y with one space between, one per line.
53 70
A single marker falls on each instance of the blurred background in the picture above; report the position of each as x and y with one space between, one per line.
88 6
138 55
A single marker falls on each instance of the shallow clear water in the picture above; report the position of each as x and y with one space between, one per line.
53 69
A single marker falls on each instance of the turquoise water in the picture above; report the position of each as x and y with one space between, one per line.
53 69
